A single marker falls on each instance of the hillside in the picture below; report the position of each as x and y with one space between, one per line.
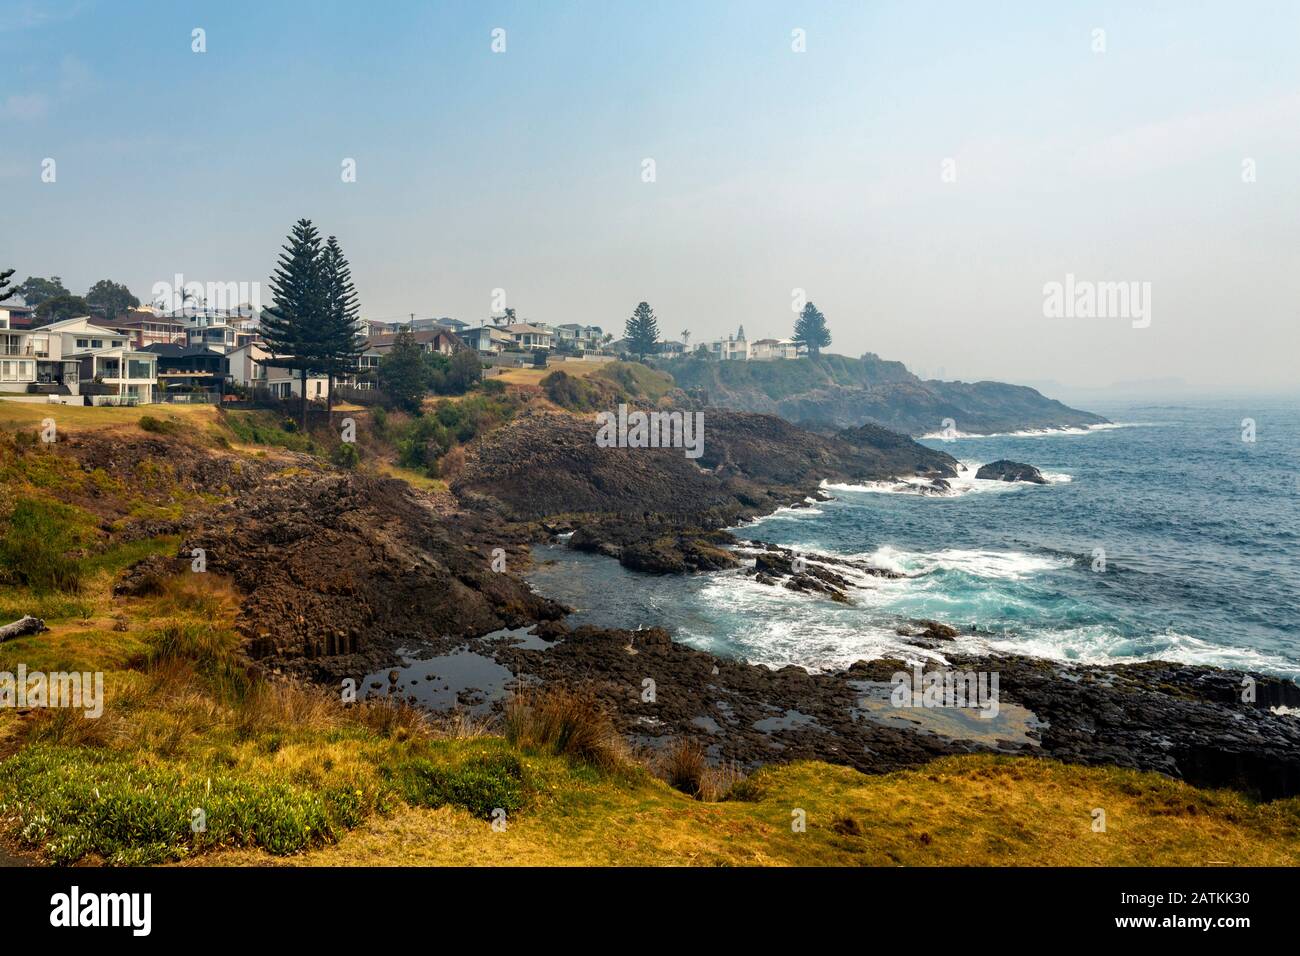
835 392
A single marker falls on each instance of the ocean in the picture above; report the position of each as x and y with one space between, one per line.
1165 536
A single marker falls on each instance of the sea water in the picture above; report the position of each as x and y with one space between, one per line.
1166 536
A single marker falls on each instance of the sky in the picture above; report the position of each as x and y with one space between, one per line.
921 171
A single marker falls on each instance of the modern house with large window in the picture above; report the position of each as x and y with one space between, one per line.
75 362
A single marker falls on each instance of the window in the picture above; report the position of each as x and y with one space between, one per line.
96 343
17 371
83 343
135 368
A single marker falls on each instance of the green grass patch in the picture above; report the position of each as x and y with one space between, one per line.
33 552
71 802
488 779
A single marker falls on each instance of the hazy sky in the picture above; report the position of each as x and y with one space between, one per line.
775 170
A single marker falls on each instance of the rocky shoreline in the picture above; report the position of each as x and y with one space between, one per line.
349 575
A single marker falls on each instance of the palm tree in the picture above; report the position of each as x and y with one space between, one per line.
686 339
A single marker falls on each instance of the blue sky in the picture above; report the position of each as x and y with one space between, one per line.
775 170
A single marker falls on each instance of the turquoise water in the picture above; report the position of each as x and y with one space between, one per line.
1199 531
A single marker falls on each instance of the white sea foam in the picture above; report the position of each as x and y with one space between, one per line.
1006 565
963 483
1037 432
1100 644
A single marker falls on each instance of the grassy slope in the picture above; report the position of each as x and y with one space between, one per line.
290 775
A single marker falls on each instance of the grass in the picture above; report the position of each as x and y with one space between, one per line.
958 811
29 415
565 723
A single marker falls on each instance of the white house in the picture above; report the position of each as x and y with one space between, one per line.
766 350
587 337
528 336
61 360
246 366
732 348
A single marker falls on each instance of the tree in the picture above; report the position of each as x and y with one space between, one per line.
686 340
60 307
36 290
810 330
341 343
5 290
403 372
113 297
642 331
292 326
465 371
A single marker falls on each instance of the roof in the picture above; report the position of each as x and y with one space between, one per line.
168 350
78 319
423 336
523 328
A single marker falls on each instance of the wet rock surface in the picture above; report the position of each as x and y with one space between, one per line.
1006 470
342 571
1187 722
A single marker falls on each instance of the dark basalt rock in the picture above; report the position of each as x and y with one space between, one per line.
1004 470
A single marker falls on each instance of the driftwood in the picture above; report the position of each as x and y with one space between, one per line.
24 625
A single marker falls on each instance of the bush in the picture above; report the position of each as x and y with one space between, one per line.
433 434
158 426
487 781
74 801
564 723
345 455
685 767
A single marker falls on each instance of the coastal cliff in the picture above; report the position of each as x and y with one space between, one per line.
833 392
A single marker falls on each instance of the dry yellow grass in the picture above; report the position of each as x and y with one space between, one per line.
976 811
77 417
534 376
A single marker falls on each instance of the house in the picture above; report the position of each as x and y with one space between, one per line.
107 366
243 366
765 350
430 340
527 335
19 358
209 328
367 373
487 339
247 367
573 335
146 327
184 367
20 316
285 383
732 348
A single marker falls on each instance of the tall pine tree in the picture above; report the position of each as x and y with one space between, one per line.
810 330
293 327
642 331
343 343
